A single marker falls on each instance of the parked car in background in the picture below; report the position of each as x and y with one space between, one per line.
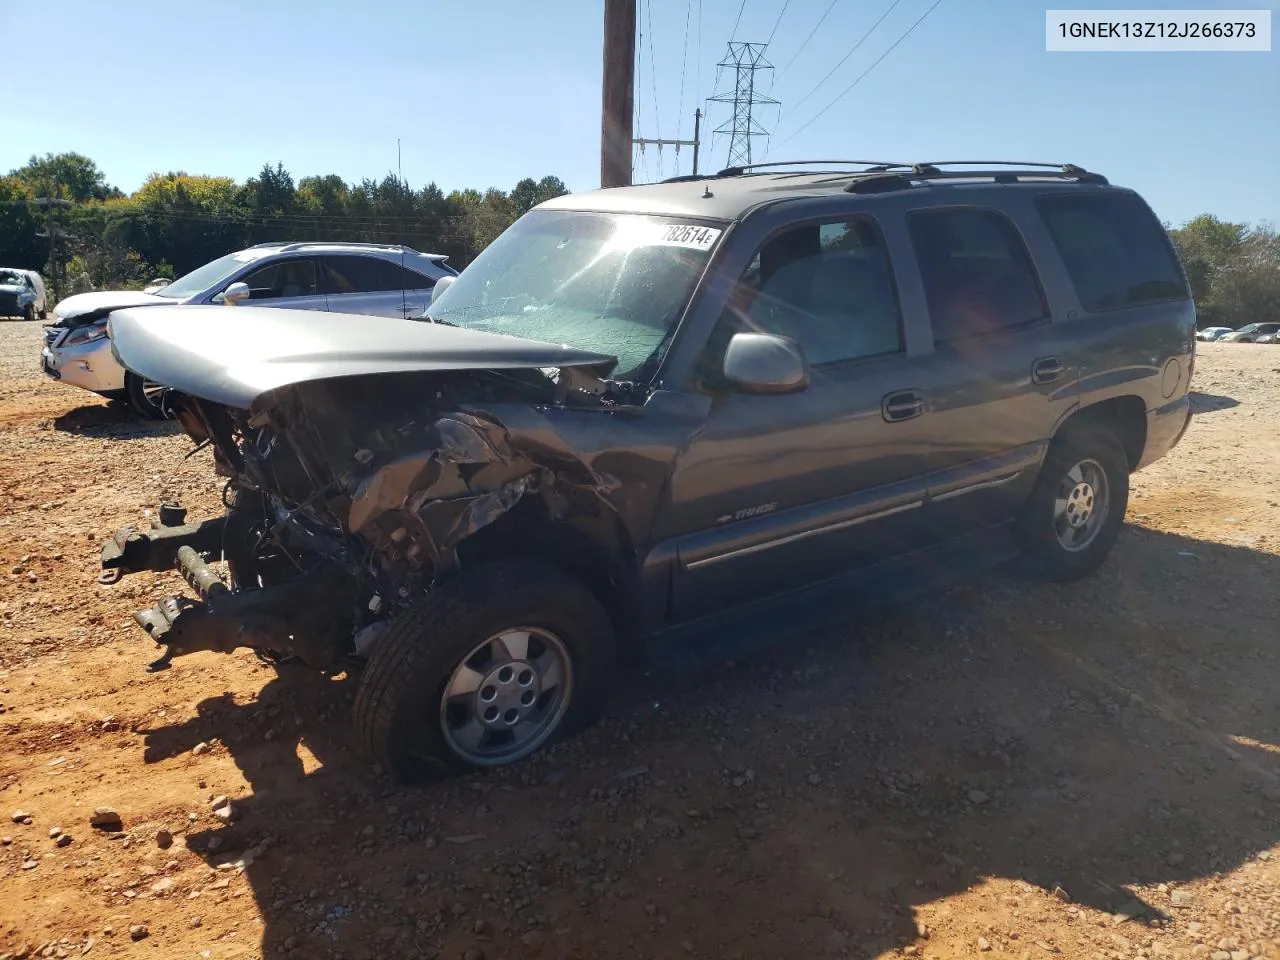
667 414
1269 338
359 278
156 284
1249 333
21 294
1209 334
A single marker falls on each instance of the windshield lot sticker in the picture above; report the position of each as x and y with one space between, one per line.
686 235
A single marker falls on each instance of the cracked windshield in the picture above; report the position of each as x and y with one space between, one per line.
609 284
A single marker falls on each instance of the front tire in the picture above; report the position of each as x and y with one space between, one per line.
484 671
1076 510
28 313
143 396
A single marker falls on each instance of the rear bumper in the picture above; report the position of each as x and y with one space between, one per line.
1165 427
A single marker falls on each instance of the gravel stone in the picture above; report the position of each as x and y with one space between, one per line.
106 818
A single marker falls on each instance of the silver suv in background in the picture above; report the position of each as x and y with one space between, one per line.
357 278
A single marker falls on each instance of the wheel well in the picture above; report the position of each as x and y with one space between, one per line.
1127 416
587 550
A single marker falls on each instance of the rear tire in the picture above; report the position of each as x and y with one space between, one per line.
141 395
1074 514
418 730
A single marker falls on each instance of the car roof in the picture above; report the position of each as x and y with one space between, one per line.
729 194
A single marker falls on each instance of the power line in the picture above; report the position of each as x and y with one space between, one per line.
733 36
776 23
845 91
861 41
698 81
653 77
821 20
684 63
637 95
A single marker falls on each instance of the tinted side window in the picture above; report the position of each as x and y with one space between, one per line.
827 286
284 278
417 281
976 271
1115 250
361 275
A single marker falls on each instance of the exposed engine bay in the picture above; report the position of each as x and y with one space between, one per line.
349 497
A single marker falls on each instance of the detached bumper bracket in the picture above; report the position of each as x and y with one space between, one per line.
131 550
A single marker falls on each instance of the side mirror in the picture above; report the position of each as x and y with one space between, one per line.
762 363
236 293
443 284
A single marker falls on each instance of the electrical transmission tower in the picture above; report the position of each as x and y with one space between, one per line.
746 60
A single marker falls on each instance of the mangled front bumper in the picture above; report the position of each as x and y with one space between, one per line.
308 617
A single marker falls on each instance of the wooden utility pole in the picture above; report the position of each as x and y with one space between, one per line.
53 230
697 135
616 114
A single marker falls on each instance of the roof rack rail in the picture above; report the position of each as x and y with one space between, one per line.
744 168
299 244
899 176
936 164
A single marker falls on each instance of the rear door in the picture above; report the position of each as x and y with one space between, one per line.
375 286
1002 373
290 283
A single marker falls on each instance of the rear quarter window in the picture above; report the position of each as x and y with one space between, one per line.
1114 249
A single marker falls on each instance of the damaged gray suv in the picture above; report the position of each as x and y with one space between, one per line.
706 410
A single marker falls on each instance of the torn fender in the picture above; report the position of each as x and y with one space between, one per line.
468 457
481 463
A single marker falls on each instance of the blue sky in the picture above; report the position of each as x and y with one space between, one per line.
485 93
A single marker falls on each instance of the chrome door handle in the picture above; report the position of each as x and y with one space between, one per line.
902 405
1047 370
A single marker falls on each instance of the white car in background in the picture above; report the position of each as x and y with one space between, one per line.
361 278
1209 334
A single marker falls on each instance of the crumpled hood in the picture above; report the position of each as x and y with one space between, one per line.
11 289
230 355
85 308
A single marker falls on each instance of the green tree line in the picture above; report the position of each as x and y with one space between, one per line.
177 221
1233 269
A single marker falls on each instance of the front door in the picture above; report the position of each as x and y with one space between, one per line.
778 492
289 283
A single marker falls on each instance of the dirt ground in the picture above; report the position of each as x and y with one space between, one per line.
1010 768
